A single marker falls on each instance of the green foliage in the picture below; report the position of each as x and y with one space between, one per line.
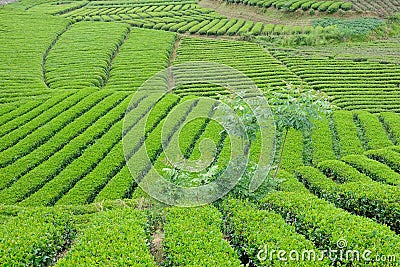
374 169
16 144
375 134
251 230
245 114
294 5
324 224
70 65
289 183
351 28
34 238
346 6
391 122
340 172
293 151
347 133
32 33
107 236
193 238
387 156
150 50
373 200
295 107
322 142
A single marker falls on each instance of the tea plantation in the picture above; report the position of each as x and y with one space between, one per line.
80 77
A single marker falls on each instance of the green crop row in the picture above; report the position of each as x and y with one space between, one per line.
246 57
150 51
196 20
347 133
193 238
252 230
292 156
112 238
322 142
373 169
122 183
373 130
58 159
10 107
35 238
58 141
141 162
387 156
340 172
181 144
57 9
157 139
9 112
20 119
85 190
391 122
342 79
325 224
82 165
362 198
62 163
31 135
293 5
22 68
119 187
81 56
188 134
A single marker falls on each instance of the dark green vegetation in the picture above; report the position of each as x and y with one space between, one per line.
68 72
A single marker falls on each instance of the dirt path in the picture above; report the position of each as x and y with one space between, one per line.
171 83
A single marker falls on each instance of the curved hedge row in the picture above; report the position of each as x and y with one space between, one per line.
325 224
35 238
193 238
112 238
293 5
373 169
362 198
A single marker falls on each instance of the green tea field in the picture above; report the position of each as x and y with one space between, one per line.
200 133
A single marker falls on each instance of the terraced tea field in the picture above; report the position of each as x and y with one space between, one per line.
97 105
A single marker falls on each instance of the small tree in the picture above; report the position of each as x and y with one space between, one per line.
296 107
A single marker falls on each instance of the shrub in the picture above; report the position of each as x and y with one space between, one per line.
346 6
362 198
374 169
34 238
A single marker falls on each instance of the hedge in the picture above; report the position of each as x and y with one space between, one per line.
35 238
375 134
193 238
251 230
373 169
116 237
347 133
386 156
372 200
325 224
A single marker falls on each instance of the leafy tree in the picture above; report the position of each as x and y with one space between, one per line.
296 107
